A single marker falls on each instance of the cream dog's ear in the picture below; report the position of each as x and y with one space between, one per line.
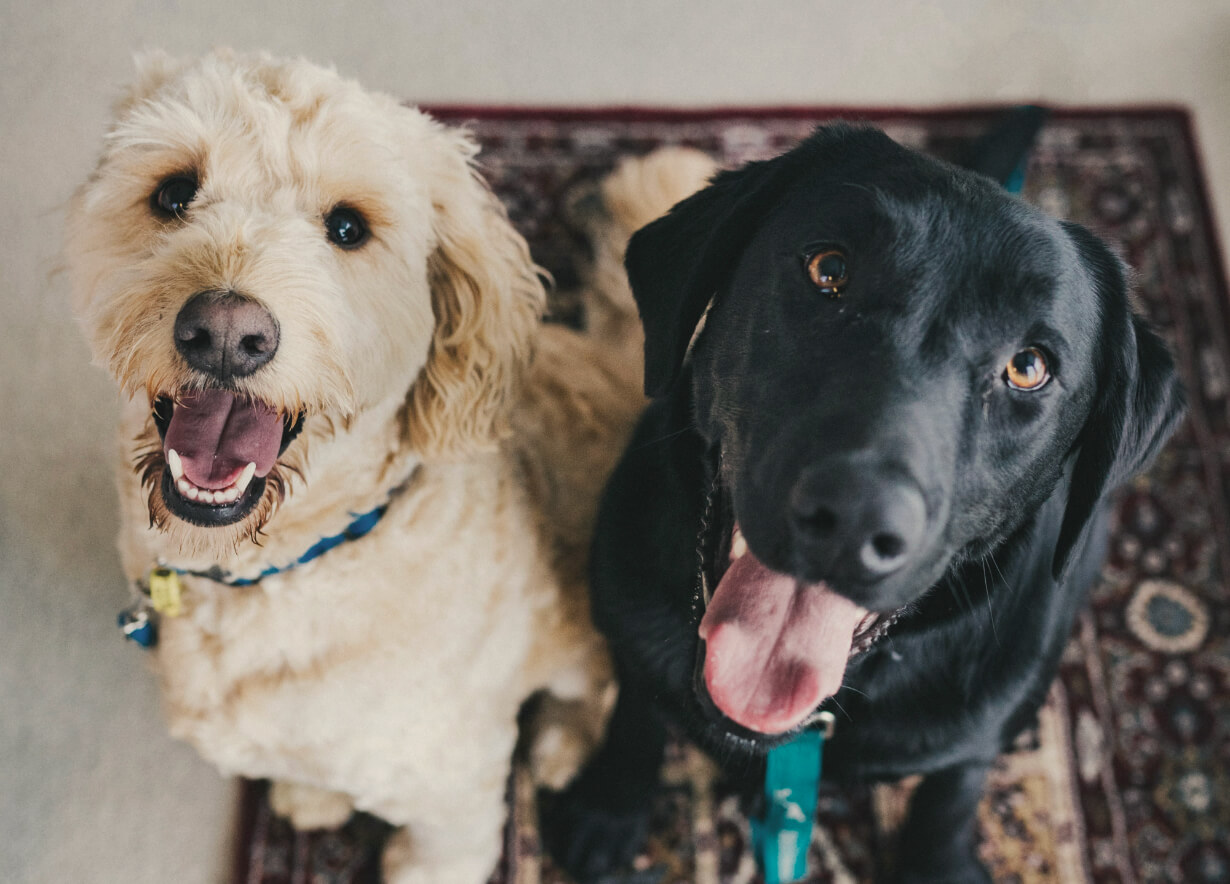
488 300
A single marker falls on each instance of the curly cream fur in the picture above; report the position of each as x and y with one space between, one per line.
388 674
487 300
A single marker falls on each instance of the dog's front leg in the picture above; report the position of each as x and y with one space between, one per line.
600 821
938 840
453 838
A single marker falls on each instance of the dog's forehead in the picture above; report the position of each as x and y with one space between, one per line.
252 128
954 232
949 262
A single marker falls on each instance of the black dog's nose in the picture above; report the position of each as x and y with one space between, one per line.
225 334
856 522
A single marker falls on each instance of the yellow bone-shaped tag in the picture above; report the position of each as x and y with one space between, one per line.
165 592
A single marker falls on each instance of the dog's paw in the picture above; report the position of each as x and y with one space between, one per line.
588 840
404 862
308 807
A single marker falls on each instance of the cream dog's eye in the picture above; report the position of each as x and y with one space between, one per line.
172 196
346 228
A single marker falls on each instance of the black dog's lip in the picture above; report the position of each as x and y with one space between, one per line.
208 515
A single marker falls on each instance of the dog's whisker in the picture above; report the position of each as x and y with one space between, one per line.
990 601
660 439
960 591
840 708
852 689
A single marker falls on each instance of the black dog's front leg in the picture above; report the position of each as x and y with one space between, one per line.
938 841
599 822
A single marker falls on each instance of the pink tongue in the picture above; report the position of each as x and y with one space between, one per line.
774 647
216 434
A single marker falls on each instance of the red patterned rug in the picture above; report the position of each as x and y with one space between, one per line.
1127 778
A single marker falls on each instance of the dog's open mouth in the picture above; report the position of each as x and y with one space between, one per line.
219 449
772 647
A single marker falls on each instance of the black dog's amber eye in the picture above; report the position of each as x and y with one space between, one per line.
828 272
345 228
1027 370
173 195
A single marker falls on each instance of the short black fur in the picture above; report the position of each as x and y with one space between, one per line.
788 394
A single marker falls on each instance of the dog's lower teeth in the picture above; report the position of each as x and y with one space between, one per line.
230 494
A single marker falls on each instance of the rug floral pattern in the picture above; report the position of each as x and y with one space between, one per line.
1127 776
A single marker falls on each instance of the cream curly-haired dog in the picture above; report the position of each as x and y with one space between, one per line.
325 327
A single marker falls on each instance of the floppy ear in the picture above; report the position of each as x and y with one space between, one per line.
676 263
487 299
1140 398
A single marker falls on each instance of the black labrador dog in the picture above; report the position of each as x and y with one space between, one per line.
874 482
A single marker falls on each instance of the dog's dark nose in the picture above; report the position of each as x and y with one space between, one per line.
856 522
225 334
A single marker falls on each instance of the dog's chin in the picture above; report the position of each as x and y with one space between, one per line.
207 515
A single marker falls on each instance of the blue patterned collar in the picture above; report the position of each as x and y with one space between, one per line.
160 592
361 525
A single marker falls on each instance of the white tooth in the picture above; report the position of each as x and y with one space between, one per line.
176 465
738 547
230 495
183 486
191 492
207 496
245 477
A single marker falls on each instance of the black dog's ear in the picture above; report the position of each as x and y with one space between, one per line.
675 264
1002 151
1140 398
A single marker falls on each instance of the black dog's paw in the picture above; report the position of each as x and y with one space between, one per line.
590 840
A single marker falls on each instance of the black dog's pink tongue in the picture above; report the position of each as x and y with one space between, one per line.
774 647
216 434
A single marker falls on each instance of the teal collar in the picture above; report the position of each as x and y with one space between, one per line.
781 835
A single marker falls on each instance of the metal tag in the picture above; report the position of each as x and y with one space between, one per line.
166 592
